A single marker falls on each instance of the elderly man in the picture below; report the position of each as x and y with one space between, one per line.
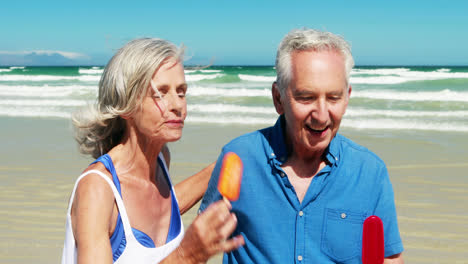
306 189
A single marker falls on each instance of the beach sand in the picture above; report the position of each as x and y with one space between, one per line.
39 163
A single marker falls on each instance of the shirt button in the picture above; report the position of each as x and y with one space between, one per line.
299 258
343 215
272 154
301 213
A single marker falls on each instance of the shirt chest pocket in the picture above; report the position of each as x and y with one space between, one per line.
342 234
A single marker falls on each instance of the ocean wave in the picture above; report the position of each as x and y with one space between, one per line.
199 77
384 71
227 108
240 120
242 92
46 90
17 67
47 103
392 124
5 70
359 112
444 95
257 78
92 71
402 75
33 112
210 71
40 78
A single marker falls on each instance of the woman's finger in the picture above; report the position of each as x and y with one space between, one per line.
233 243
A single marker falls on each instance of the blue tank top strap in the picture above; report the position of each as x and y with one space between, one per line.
175 223
107 162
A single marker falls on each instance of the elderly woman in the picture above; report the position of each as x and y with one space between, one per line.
123 208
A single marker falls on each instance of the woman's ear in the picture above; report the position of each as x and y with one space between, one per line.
125 116
276 94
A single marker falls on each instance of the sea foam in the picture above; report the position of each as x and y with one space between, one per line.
46 90
229 108
444 95
94 70
39 78
401 75
242 92
199 77
392 124
257 78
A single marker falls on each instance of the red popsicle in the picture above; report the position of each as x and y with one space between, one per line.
230 176
373 241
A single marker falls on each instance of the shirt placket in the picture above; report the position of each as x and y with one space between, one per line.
300 237
299 244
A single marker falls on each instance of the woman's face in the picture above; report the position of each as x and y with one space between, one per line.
164 108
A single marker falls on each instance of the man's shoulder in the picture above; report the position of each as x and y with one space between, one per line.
357 151
248 140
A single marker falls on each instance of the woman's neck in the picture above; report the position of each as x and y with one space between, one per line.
136 154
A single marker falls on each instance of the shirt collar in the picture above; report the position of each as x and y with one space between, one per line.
332 153
279 149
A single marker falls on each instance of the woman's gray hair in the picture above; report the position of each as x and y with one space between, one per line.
308 39
123 85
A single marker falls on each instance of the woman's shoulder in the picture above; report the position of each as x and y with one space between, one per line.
92 188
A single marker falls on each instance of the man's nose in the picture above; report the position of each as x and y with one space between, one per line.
320 111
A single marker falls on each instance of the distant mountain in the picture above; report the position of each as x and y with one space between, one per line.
43 58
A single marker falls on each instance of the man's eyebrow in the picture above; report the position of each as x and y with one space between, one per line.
302 92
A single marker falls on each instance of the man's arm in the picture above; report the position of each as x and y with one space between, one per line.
395 259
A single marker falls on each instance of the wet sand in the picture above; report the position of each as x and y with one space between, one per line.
39 163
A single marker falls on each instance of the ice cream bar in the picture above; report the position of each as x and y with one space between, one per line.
230 176
373 241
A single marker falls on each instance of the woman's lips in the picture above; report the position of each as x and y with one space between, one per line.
175 123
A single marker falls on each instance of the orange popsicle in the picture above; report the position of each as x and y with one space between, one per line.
230 176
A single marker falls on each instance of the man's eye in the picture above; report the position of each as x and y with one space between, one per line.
304 98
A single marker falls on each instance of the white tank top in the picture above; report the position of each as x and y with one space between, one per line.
134 252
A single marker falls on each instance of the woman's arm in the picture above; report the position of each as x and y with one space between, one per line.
190 190
91 214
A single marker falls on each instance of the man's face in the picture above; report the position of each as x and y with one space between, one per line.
315 100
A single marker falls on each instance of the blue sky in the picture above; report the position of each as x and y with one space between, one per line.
242 32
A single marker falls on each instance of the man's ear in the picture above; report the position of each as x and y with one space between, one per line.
275 93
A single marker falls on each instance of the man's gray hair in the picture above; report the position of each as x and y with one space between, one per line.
308 39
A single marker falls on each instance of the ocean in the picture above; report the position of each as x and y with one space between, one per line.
414 118
383 98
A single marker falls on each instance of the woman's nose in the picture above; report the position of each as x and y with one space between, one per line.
174 101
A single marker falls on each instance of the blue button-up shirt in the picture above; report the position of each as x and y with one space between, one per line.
327 226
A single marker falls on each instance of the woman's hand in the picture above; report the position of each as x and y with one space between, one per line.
208 235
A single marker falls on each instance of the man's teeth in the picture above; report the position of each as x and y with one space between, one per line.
317 130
